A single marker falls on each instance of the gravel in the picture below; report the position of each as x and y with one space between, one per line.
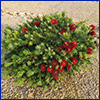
85 85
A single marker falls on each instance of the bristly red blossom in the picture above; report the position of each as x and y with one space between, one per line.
54 63
55 72
50 69
55 76
73 44
73 60
68 67
63 31
63 63
72 27
54 22
68 49
93 33
31 59
66 44
89 53
60 48
90 49
26 45
61 69
43 67
37 23
93 27
24 30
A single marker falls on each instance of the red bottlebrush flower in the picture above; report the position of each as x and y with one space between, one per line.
36 23
50 69
31 59
63 63
43 67
61 69
73 44
93 27
90 49
66 44
68 49
24 30
54 22
63 31
90 53
54 63
55 76
73 60
93 33
55 72
72 27
60 48
26 45
68 67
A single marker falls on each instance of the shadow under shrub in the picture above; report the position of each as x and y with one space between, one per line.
41 50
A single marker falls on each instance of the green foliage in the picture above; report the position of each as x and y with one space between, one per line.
40 43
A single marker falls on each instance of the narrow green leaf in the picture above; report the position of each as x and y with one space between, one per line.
29 63
8 64
39 83
29 83
30 73
20 73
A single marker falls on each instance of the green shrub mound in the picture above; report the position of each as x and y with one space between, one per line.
42 50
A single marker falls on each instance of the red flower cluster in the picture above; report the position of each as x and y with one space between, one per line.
53 69
63 31
31 59
93 27
93 33
24 30
68 67
26 45
66 44
73 60
63 63
54 21
72 27
49 69
54 63
55 76
61 69
37 23
55 73
60 48
68 47
90 51
73 44
43 67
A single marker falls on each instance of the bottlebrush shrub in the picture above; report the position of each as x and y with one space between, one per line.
40 51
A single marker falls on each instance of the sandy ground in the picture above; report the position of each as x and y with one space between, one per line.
78 10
